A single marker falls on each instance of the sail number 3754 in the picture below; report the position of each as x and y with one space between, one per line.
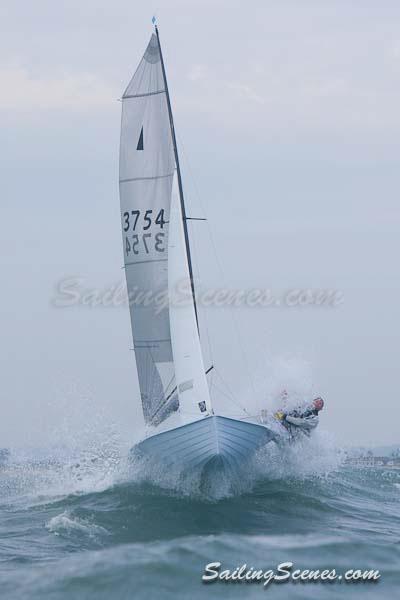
146 239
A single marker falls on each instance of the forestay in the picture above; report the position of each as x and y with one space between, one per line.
146 172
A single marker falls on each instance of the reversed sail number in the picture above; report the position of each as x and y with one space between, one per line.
144 242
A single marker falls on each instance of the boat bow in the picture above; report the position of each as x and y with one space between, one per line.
230 441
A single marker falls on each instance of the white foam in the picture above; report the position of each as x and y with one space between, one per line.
314 456
66 523
34 479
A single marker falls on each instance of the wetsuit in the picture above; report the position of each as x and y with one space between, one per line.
299 414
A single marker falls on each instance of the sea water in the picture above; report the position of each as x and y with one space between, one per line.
91 524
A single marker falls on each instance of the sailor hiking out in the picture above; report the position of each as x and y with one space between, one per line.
300 419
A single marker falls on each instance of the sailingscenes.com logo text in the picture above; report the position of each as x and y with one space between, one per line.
283 573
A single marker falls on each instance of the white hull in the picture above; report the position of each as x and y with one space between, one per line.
226 441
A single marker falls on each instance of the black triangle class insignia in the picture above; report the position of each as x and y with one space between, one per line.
140 142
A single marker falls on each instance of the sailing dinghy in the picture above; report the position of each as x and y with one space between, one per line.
179 421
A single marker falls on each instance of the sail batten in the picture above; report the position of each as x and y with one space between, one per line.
126 97
143 262
146 178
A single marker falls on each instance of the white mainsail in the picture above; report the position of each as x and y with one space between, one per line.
146 172
166 343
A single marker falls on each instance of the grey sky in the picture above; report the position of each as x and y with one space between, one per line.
288 120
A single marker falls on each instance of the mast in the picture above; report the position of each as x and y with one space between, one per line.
178 169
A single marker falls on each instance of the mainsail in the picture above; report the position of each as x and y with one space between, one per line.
166 342
146 171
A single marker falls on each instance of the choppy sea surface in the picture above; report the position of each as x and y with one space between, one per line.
90 524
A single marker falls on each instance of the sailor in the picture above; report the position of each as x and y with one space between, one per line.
312 409
301 418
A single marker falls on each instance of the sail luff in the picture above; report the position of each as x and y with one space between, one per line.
180 186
